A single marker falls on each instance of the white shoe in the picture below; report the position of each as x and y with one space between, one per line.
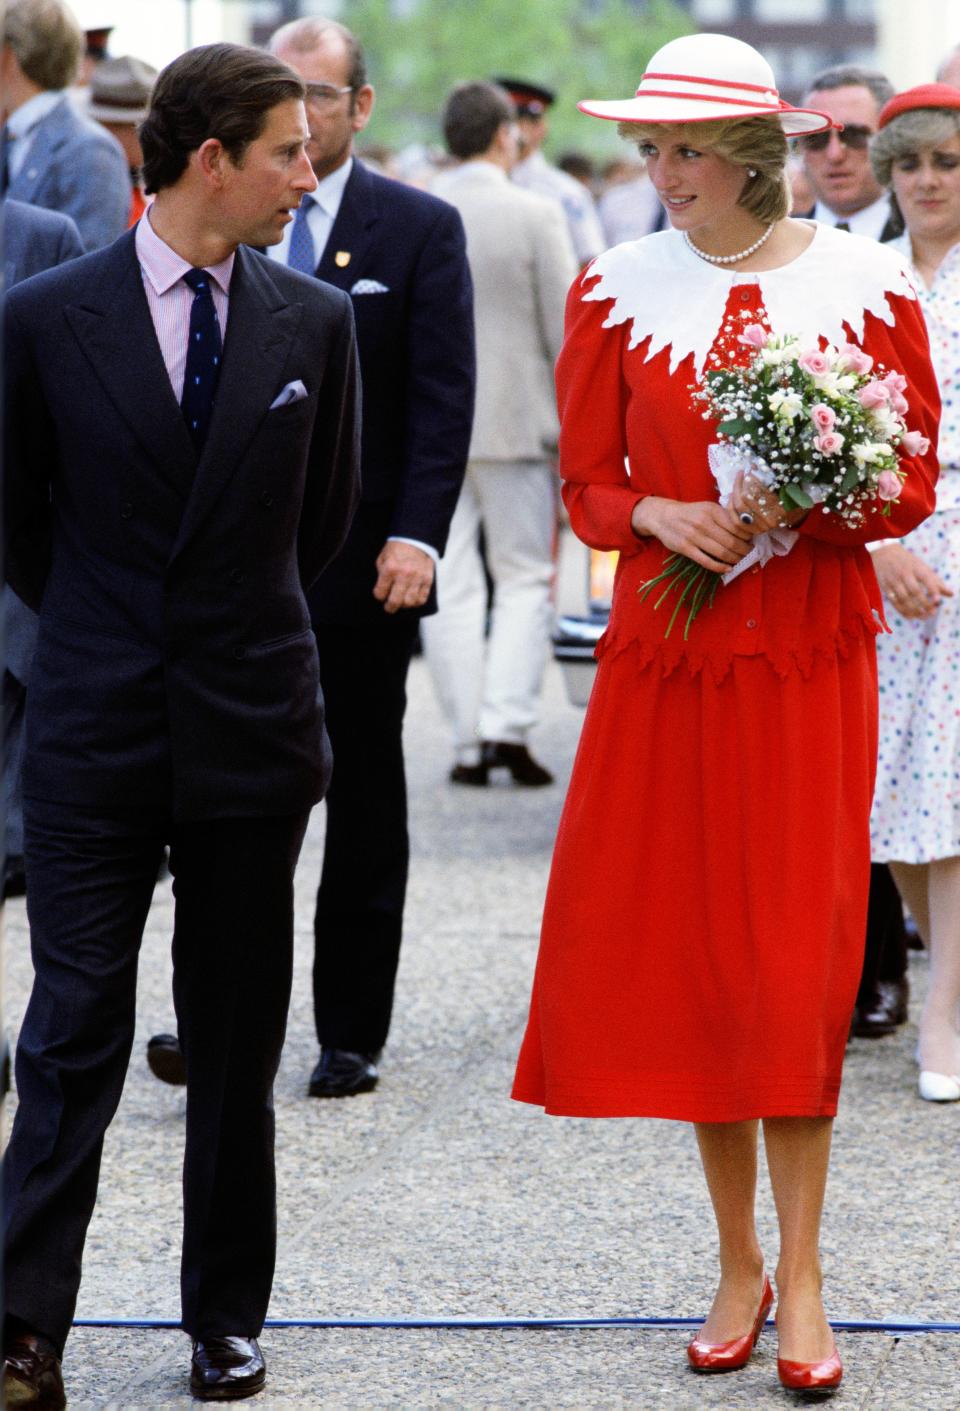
939 1087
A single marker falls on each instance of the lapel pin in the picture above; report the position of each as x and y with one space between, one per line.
341 259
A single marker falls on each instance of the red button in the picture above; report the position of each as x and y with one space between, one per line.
745 297
751 622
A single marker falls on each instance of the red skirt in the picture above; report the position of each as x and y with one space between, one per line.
704 925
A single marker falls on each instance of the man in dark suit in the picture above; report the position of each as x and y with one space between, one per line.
401 255
182 452
32 240
52 155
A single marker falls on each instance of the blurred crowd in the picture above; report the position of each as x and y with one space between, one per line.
70 145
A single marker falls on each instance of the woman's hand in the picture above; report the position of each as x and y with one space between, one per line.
763 505
702 530
908 583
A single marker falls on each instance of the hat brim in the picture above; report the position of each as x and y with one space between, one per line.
796 122
107 114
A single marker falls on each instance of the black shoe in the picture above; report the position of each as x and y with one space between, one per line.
31 1373
884 1012
518 759
165 1057
341 1073
475 774
227 1368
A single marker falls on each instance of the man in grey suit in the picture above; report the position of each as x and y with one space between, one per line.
52 155
33 240
522 263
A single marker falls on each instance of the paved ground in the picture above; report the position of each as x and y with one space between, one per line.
436 1196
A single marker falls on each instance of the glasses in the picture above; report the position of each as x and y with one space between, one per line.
852 136
326 94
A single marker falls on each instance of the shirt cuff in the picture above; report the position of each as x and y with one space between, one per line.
417 544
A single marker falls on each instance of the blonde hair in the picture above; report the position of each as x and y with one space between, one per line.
46 40
756 142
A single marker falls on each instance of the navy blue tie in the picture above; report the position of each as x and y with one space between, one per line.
204 351
302 255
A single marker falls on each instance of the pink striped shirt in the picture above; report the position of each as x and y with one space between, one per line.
170 300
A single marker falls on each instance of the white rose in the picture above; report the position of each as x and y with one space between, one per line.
785 405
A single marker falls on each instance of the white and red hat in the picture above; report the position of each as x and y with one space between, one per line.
705 78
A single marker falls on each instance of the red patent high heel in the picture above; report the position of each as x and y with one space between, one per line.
730 1356
822 1376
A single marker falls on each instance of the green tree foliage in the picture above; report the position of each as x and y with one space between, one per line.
417 49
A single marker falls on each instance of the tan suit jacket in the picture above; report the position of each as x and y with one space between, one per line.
522 264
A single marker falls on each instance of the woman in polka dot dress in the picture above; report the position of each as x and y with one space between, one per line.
915 824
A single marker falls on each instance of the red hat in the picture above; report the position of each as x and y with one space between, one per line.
927 95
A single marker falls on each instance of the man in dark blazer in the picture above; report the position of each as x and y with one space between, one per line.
32 240
53 155
182 450
401 255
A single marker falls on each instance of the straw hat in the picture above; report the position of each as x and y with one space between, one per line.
706 78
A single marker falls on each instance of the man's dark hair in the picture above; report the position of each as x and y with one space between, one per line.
854 76
471 116
218 90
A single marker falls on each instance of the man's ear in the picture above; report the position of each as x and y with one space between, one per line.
210 159
363 107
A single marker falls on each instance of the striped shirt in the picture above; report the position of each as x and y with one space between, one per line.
170 300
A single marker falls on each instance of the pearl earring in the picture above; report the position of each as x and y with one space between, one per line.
751 172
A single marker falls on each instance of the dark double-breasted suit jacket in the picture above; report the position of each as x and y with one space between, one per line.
176 668
401 254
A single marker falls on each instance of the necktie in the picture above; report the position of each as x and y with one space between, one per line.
301 254
842 225
203 358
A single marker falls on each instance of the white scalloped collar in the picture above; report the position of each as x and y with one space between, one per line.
677 300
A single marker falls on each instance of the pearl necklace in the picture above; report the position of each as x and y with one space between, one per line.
728 259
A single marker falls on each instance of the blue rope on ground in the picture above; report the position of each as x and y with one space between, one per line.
847 1325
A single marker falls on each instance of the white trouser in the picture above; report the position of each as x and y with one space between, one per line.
491 691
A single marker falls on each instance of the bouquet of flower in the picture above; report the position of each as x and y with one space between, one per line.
816 427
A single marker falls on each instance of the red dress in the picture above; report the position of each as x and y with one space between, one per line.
704 924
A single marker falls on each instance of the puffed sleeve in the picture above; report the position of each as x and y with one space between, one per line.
905 348
592 398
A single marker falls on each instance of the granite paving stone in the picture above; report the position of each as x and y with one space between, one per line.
435 1196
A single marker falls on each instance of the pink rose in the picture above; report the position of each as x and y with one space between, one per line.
900 404
888 483
754 335
895 381
854 359
815 362
875 394
823 417
913 444
829 443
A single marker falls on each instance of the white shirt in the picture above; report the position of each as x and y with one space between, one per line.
21 125
870 221
535 173
324 209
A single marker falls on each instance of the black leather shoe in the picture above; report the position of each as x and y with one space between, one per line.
165 1057
341 1073
523 767
475 774
225 1369
31 1373
885 1011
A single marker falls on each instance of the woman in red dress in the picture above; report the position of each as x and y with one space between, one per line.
703 929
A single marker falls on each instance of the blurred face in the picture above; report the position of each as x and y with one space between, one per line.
838 163
698 188
255 198
532 134
926 184
334 112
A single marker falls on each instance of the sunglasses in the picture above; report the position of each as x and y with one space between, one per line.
326 94
852 136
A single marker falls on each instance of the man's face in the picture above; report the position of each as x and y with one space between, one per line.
840 171
256 197
334 112
532 132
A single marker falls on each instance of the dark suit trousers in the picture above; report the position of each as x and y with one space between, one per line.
90 880
885 957
359 916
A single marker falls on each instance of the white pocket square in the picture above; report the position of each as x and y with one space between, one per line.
293 392
369 286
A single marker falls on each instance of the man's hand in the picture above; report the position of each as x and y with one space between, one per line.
404 576
702 530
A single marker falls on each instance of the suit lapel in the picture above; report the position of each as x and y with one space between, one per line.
260 330
352 230
115 332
